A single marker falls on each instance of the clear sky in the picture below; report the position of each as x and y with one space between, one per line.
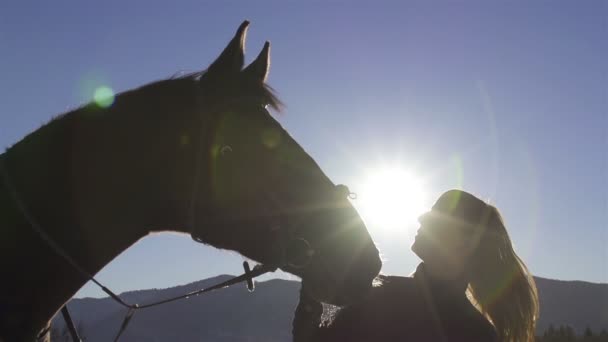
508 100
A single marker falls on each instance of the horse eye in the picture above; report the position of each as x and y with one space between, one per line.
225 150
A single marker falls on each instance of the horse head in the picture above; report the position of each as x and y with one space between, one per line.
256 191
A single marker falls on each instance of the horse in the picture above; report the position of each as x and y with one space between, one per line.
198 154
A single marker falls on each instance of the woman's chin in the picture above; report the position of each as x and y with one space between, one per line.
416 248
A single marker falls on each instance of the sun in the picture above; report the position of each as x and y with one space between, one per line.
391 198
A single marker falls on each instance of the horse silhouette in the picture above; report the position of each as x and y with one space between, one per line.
197 154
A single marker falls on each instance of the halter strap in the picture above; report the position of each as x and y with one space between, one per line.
68 320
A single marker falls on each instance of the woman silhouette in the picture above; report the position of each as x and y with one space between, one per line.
470 286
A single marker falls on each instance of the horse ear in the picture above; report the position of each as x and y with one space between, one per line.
232 58
258 69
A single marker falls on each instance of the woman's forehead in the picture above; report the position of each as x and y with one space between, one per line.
460 205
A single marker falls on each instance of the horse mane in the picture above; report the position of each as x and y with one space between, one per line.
177 82
178 85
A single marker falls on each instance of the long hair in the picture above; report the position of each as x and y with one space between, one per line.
500 285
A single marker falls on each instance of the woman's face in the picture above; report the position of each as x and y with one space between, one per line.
444 244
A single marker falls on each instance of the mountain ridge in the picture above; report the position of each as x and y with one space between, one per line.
234 314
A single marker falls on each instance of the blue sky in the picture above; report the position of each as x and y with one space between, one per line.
508 100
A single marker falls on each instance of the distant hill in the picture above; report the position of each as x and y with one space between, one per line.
234 314
231 314
575 303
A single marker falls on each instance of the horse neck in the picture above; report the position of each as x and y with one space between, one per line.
95 183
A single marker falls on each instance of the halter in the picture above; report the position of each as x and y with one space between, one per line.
286 233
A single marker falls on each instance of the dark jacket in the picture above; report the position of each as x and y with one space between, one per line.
410 309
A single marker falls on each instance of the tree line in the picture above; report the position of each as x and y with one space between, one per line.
566 333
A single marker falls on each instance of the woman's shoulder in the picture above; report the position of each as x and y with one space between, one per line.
396 309
460 320
385 310
391 295
480 328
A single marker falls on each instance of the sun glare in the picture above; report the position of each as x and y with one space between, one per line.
392 198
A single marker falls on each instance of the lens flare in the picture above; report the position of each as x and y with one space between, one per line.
271 138
392 198
458 167
103 96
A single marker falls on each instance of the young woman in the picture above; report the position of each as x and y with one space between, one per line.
470 286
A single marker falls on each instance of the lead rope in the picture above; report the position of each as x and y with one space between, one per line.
68 321
247 276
